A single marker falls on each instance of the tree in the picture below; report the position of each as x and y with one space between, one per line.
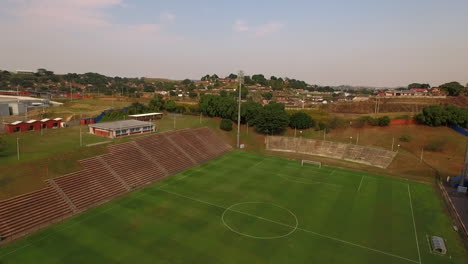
136 108
217 106
452 88
171 106
226 125
157 103
192 94
232 76
267 95
384 121
419 86
273 119
259 78
301 120
436 115
244 92
249 111
186 82
223 93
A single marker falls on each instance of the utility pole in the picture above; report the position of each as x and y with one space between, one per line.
357 138
81 138
17 148
241 80
393 142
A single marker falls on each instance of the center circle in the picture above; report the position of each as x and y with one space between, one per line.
232 208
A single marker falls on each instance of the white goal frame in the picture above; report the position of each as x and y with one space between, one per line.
318 163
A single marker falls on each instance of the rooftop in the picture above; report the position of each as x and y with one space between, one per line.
121 124
147 114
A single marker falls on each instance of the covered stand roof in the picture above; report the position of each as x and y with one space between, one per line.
121 124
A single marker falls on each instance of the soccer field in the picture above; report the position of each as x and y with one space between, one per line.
245 208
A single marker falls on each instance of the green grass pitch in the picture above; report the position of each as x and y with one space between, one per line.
245 208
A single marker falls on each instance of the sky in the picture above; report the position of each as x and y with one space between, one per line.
334 42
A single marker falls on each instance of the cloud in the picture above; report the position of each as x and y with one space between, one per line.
167 16
240 26
82 19
260 30
268 28
74 12
146 28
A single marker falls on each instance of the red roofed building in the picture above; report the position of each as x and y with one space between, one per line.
32 125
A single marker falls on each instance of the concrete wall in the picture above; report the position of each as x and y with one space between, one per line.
4 110
18 108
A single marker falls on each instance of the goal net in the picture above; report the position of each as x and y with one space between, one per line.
317 163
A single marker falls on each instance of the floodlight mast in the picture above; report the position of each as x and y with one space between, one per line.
240 78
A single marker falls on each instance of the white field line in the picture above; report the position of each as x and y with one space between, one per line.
258 163
307 181
287 225
414 224
360 184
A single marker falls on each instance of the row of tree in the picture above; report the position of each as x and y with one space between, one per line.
436 115
451 88
269 119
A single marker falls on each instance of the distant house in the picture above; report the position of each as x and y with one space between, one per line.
400 93
420 90
361 98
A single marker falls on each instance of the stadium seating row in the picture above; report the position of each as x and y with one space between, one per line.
356 153
127 166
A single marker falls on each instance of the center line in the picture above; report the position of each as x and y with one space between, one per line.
359 188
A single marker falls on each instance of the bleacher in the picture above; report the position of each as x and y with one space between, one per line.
126 167
25 212
373 156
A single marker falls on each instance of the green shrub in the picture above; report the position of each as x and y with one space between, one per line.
301 120
321 126
435 145
336 122
226 125
384 121
374 121
405 138
363 120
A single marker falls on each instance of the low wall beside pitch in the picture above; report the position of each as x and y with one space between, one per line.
372 156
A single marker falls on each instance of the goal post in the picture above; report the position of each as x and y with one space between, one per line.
318 163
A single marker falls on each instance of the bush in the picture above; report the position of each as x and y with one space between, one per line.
363 120
226 125
321 126
384 121
405 138
435 145
301 120
336 122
